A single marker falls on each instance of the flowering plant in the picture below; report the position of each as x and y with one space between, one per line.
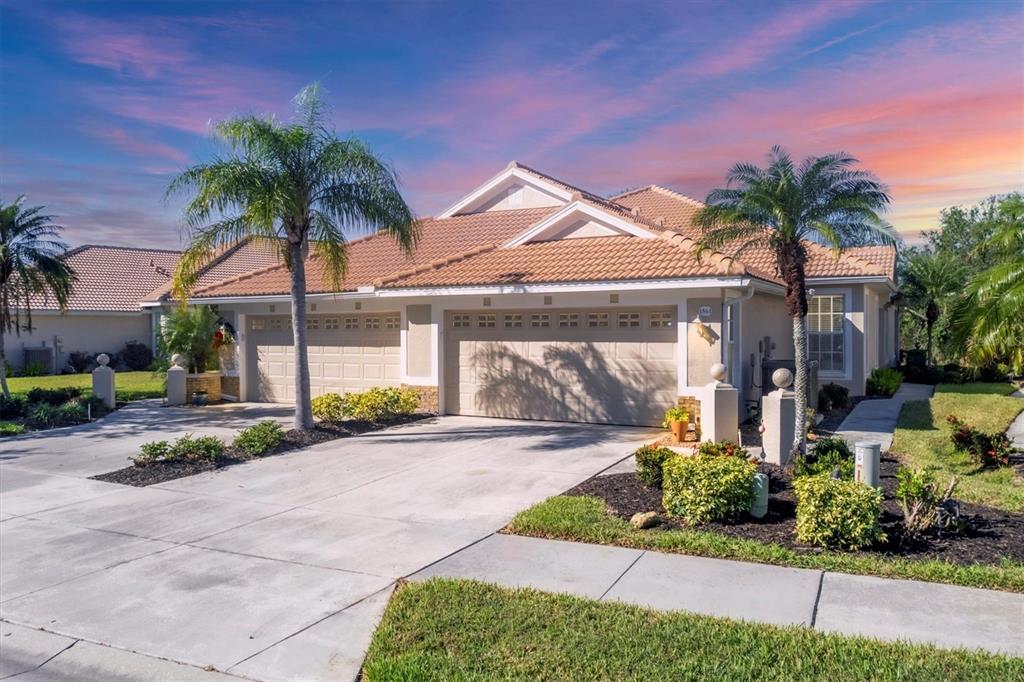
223 336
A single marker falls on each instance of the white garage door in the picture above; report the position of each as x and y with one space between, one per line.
614 366
346 353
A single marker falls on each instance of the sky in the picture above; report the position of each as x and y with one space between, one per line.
101 103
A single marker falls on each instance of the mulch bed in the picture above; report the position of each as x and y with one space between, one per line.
161 472
992 534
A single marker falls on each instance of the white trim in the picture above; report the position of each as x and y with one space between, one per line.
848 324
873 279
485 189
629 285
578 208
50 312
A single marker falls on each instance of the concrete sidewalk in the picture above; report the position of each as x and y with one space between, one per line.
944 615
874 421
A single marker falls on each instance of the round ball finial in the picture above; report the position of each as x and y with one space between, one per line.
782 377
103 359
177 359
718 371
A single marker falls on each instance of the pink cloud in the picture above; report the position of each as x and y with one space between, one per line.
140 146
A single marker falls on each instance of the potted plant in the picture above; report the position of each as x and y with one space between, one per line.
677 419
199 398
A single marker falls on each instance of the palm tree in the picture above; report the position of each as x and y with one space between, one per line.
32 265
988 320
930 280
780 207
297 186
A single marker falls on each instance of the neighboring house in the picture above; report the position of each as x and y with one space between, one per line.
530 298
120 296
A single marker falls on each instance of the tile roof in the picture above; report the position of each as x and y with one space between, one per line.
379 256
677 210
244 257
882 256
114 278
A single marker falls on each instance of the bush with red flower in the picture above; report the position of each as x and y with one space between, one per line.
987 450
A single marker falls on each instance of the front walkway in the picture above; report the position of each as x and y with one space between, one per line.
944 615
874 421
274 569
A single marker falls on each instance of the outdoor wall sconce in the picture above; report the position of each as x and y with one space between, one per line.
704 332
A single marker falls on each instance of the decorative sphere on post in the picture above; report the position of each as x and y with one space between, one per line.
718 371
103 359
782 377
177 359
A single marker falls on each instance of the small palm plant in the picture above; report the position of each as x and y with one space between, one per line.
930 281
32 268
190 331
296 186
782 206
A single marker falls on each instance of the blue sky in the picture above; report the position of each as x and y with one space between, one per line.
100 103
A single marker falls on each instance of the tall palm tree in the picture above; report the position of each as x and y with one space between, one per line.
780 207
929 281
32 265
296 185
988 320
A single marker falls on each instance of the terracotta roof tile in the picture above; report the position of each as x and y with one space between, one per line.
884 257
113 278
244 257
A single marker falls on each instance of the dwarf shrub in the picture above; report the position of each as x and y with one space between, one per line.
329 407
828 453
196 448
381 404
150 452
649 462
11 428
259 439
705 488
884 381
723 448
837 514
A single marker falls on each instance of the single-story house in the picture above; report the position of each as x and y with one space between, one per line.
532 298
106 309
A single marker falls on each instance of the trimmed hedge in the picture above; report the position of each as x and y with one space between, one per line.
837 514
705 488
649 462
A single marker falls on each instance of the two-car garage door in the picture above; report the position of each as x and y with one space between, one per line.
612 366
350 352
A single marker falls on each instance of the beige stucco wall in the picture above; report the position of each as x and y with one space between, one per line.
418 341
519 195
700 354
763 315
82 333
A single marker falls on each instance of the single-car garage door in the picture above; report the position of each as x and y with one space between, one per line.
614 366
346 353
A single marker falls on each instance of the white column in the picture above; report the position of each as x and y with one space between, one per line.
778 416
437 340
719 409
103 381
177 393
682 336
242 352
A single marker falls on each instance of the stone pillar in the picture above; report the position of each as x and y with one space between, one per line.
103 381
177 393
720 408
778 419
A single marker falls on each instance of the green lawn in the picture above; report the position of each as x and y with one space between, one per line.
922 440
130 385
584 519
465 630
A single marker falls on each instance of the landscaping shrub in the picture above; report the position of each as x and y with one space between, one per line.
43 415
11 428
70 413
136 356
15 406
79 361
884 381
196 448
150 452
837 397
705 488
381 404
53 396
924 507
649 462
723 448
329 407
259 439
827 454
33 369
837 514
986 450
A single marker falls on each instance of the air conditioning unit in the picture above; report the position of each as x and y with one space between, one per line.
769 366
42 356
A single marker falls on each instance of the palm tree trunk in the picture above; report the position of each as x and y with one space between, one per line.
929 359
303 408
3 366
800 383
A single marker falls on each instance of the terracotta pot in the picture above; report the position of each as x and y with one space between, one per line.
679 430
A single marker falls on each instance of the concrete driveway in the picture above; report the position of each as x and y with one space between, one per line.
275 569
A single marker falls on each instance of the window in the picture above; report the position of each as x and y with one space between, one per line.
597 319
312 323
330 323
460 320
371 323
277 323
629 319
486 320
661 318
826 335
513 321
258 324
568 320
351 323
392 322
540 320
